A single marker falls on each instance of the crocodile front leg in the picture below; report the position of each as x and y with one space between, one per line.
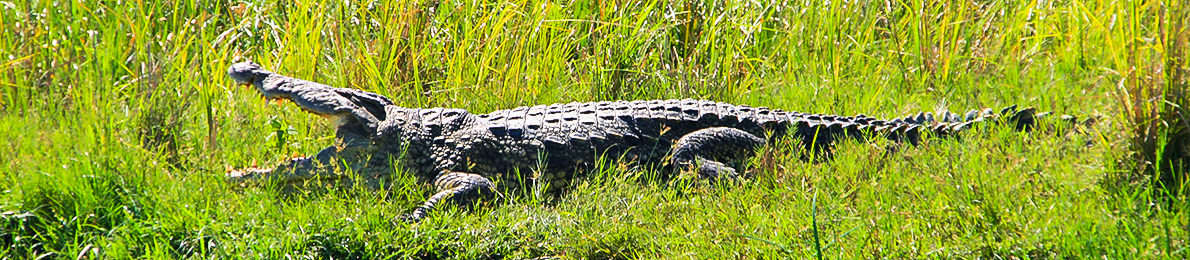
703 150
458 187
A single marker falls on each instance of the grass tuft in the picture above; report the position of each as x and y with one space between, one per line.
1154 101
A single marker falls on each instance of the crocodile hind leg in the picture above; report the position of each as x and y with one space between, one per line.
460 188
704 150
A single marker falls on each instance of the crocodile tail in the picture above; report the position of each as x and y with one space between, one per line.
943 124
819 132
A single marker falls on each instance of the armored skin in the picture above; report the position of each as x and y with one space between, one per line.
465 154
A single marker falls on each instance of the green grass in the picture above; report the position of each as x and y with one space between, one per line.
119 123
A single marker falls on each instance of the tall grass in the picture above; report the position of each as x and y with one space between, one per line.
120 123
1154 95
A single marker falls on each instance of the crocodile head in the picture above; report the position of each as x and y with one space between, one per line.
355 116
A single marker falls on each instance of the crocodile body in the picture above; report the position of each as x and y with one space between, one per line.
465 154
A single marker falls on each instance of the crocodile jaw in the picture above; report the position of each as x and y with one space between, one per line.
247 175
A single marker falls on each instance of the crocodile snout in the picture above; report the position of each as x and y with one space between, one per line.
246 72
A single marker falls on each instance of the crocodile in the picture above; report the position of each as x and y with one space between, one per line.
465 155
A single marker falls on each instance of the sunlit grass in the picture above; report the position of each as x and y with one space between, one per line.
120 123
